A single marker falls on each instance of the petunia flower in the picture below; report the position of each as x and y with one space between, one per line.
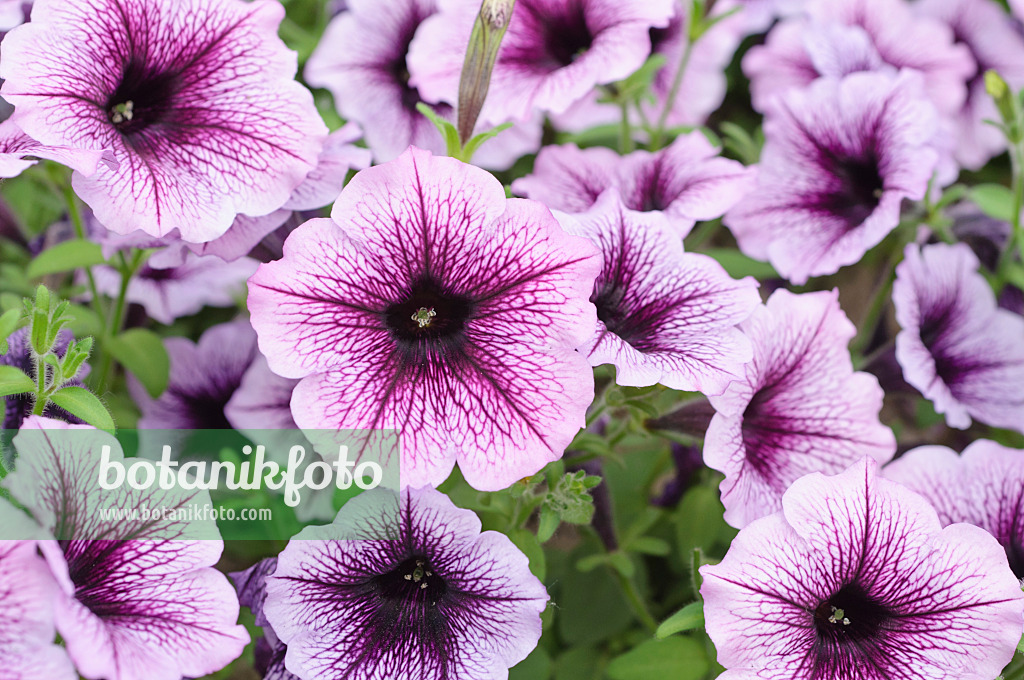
269 651
663 316
801 407
196 100
404 587
17 407
839 159
13 13
431 304
140 599
994 43
963 353
204 376
553 54
262 400
173 292
840 37
362 60
687 181
18 151
983 486
28 592
856 579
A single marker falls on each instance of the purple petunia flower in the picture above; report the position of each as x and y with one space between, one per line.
17 407
204 377
269 651
801 407
856 579
362 61
28 593
552 55
404 587
994 43
956 347
262 400
663 316
433 305
18 151
983 486
838 161
170 293
687 181
195 98
840 37
13 13
144 603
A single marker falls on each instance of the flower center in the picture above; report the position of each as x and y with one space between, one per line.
567 37
858 190
849 616
143 97
429 314
1015 554
412 581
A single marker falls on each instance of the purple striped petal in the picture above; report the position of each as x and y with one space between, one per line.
955 346
491 379
145 602
195 99
855 578
28 592
664 316
983 486
840 158
801 407
404 587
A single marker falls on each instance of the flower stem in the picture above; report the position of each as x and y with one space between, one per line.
684 61
117 319
76 220
636 602
40 405
1016 240
625 132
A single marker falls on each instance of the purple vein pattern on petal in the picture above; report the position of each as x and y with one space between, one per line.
143 602
839 159
856 580
553 54
956 346
404 587
28 593
983 486
204 377
801 407
664 316
841 37
995 42
196 100
18 149
687 181
432 305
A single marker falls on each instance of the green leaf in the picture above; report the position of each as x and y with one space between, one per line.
621 563
448 131
1020 646
9 322
142 352
80 402
649 545
537 666
473 144
549 522
995 200
739 265
530 546
700 523
14 381
65 257
677 658
689 617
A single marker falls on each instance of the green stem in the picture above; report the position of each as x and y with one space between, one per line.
701 234
1016 240
76 220
117 319
636 602
684 61
625 132
40 405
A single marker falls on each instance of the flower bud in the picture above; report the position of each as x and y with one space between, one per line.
488 30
